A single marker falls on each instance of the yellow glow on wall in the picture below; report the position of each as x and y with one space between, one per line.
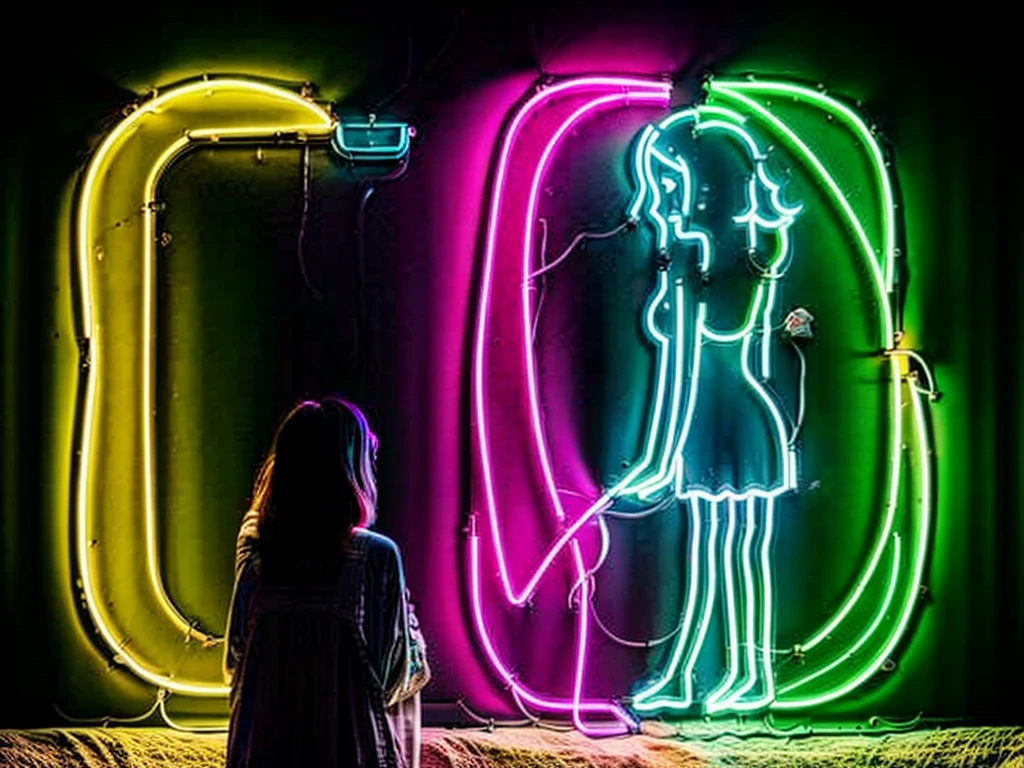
114 504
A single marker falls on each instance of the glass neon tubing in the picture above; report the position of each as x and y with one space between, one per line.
731 92
730 702
152 106
647 91
646 700
84 237
644 150
767 618
704 244
527 268
667 453
750 217
538 426
815 164
660 92
507 676
883 538
856 124
148 260
924 510
645 489
568 534
910 599
383 153
920 361
732 631
766 373
748 586
852 650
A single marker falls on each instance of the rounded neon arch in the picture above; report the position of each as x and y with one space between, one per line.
114 506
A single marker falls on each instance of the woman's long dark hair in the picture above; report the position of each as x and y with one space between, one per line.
316 484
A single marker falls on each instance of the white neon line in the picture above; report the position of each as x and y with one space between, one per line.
732 641
92 177
853 120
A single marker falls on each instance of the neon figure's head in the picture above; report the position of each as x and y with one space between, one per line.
671 190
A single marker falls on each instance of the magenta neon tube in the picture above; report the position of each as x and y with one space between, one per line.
623 90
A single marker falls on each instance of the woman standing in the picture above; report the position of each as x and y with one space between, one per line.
323 654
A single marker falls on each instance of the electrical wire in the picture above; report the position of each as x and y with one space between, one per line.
795 732
534 40
368 187
489 723
619 514
174 725
570 492
425 69
645 644
108 720
770 730
361 303
803 394
535 720
302 224
408 69
932 391
591 573
541 292
579 238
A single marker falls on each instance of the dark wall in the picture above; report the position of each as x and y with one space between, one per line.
933 81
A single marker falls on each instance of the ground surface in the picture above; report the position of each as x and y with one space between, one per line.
536 748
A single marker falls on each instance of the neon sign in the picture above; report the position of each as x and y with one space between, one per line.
114 502
730 513
372 140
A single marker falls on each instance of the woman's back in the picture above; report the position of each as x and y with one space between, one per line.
314 665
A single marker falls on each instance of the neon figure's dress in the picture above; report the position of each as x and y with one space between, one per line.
734 445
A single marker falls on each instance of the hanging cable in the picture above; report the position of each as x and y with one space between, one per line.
643 512
406 77
609 511
806 730
363 337
108 720
302 224
579 238
537 721
489 723
651 643
362 313
542 284
174 725
801 403
425 69
932 392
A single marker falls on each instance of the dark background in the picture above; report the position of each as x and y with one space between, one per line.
935 79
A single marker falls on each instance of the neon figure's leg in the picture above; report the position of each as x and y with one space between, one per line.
725 688
751 591
758 689
696 611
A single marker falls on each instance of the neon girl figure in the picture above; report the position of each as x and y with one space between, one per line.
717 437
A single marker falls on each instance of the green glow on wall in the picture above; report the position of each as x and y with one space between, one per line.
806 129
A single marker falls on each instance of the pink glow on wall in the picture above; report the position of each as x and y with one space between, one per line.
516 471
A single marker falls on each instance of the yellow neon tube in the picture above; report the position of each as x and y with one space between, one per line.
168 125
